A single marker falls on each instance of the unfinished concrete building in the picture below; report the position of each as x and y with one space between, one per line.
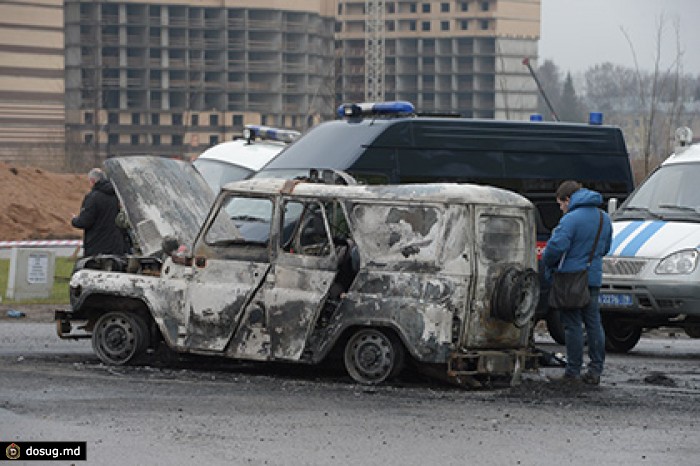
458 56
173 77
31 83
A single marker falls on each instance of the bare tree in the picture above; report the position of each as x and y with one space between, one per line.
650 92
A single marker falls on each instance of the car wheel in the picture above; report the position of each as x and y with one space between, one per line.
515 296
119 338
620 337
372 356
555 327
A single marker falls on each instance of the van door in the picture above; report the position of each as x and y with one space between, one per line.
299 282
227 272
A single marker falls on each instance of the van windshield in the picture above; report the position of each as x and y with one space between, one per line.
334 144
670 193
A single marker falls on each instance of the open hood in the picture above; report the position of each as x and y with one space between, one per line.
162 197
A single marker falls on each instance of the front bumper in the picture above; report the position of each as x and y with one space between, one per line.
64 326
664 298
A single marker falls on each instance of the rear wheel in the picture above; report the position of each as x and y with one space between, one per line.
119 338
620 337
372 356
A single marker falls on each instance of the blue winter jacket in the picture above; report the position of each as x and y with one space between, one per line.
574 236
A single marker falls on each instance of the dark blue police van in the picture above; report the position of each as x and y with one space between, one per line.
388 143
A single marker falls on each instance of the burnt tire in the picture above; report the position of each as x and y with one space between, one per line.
372 356
620 337
515 296
555 327
120 338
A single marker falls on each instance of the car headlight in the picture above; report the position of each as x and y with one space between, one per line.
681 262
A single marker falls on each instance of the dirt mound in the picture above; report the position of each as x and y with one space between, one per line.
36 204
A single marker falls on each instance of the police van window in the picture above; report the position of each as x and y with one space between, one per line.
251 218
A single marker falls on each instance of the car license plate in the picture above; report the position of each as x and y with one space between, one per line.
615 300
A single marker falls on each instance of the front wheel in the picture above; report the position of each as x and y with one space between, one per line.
373 356
620 337
119 338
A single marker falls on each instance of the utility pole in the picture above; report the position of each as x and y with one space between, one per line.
374 51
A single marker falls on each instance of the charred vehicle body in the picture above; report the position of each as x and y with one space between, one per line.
389 143
441 274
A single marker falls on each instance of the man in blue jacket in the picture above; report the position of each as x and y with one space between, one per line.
573 240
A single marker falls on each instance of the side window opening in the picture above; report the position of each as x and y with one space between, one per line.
321 229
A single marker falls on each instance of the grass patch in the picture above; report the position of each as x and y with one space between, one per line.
59 292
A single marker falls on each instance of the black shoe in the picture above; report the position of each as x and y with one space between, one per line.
590 378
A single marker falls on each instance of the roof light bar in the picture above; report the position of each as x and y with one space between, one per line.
252 132
595 118
394 108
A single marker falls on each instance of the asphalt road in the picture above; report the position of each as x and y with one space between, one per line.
203 411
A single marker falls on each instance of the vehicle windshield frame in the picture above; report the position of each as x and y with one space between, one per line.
669 193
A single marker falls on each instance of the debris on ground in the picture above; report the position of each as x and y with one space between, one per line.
658 378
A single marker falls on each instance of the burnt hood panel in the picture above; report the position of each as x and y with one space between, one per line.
161 197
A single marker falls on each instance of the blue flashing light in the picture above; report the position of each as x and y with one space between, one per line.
595 118
252 132
536 117
393 108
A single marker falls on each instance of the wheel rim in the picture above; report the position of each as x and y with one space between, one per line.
116 339
370 357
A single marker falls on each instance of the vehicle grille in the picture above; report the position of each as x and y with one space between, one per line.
617 266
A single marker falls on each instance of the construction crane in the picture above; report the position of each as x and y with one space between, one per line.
374 51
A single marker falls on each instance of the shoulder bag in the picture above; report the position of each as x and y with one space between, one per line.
570 289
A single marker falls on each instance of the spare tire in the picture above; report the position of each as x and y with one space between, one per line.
515 296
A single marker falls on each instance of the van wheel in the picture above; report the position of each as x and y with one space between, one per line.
555 327
620 337
373 356
119 338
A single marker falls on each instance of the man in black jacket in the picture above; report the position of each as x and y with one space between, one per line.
97 218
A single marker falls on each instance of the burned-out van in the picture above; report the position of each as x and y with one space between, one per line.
390 143
442 274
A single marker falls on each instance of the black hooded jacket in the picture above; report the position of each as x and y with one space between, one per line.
97 217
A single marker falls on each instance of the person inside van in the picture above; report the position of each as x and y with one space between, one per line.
568 250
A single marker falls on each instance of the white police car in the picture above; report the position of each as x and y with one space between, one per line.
241 158
651 276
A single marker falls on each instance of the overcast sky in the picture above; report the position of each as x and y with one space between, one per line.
577 34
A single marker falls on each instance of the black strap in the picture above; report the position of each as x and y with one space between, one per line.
597 236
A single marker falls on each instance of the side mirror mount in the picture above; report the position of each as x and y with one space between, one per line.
612 205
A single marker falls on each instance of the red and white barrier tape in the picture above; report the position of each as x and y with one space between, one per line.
49 243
